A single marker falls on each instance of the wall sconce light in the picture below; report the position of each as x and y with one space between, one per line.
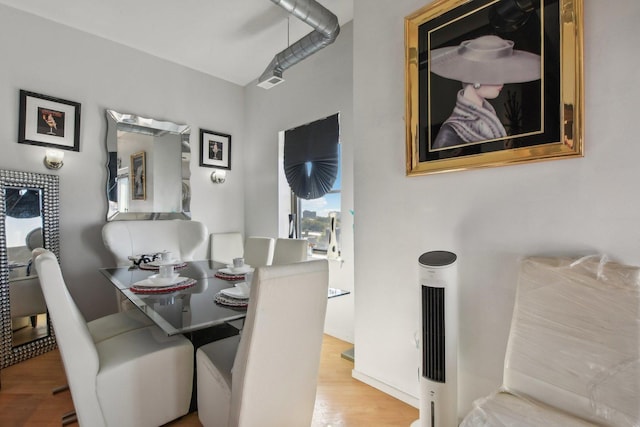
218 176
53 159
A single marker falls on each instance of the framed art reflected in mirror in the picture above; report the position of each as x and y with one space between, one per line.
138 176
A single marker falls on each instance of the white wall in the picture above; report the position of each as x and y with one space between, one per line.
489 217
315 88
47 58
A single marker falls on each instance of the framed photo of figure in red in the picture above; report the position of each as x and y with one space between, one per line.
48 121
492 83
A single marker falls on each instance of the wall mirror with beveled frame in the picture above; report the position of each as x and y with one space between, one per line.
148 168
29 218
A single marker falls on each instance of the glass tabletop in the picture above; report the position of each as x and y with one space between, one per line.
181 311
189 309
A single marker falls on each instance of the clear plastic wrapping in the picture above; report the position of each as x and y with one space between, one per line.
574 344
503 409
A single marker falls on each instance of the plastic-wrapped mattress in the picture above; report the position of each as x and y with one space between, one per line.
574 347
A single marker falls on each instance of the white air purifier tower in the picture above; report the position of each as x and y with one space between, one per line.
438 340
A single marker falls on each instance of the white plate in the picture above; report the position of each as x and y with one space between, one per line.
156 282
158 263
241 270
163 281
235 293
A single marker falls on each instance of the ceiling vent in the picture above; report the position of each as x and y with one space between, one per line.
326 30
271 82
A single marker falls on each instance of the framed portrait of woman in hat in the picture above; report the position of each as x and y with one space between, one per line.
493 82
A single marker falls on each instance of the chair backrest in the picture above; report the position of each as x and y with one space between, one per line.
258 251
225 247
131 238
26 297
34 239
276 367
288 251
575 338
78 352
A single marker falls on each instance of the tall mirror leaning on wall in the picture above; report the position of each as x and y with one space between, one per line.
28 219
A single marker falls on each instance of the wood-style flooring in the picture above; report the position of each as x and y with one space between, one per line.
26 398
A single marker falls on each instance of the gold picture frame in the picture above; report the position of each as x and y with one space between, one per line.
138 176
531 60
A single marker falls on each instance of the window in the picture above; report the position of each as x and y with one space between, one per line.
312 167
313 221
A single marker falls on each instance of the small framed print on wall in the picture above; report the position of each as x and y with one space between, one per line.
215 149
49 121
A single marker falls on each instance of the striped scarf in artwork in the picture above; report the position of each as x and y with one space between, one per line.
473 123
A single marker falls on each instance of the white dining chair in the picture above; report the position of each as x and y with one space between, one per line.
101 329
24 291
26 299
574 348
34 239
267 376
258 251
138 378
288 251
224 247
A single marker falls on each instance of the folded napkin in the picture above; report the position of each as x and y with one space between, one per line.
141 259
153 266
230 301
184 284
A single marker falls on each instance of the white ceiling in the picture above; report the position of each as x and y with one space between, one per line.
231 39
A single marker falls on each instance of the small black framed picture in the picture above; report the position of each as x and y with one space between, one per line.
49 121
215 149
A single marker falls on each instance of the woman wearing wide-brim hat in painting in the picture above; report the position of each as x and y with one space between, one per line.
483 66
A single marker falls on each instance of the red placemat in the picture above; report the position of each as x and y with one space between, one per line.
231 277
230 301
187 283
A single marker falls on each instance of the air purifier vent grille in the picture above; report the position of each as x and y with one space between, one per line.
433 305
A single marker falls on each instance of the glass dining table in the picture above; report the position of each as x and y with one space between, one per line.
192 312
182 311
189 310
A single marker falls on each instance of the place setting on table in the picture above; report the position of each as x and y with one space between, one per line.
238 295
167 279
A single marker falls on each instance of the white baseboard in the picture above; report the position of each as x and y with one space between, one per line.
386 388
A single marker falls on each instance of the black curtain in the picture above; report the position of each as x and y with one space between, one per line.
311 157
22 202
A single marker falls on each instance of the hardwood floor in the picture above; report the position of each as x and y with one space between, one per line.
26 398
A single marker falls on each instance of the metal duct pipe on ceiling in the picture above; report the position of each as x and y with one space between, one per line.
326 30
